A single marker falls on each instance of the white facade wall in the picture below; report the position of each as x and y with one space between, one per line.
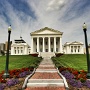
73 48
19 49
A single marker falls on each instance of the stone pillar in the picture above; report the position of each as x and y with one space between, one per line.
37 44
54 44
43 44
49 47
61 45
31 44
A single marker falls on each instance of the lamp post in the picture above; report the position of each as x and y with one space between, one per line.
87 52
6 74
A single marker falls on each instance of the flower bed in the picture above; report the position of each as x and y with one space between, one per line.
34 54
17 76
76 79
58 54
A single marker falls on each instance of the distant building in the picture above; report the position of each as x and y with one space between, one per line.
73 48
2 48
20 47
6 44
46 41
89 48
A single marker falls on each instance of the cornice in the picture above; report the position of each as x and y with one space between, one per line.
46 28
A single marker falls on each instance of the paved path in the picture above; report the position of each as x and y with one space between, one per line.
46 77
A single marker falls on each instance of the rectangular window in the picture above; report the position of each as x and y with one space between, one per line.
18 51
15 51
21 51
75 50
71 50
78 50
14 47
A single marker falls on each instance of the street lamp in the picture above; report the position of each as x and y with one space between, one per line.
87 52
6 74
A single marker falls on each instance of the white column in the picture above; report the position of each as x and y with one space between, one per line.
49 48
37 44
31 44
43 44
54 44
61 45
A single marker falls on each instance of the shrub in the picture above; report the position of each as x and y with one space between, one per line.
34 54
58 54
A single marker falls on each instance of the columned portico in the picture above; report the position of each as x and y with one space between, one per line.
46 40
47 44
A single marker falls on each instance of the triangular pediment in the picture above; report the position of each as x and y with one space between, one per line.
46 30
76 43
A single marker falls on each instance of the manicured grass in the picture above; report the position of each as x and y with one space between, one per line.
20 61
76 61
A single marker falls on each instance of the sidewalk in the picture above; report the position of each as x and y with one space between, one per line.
46 77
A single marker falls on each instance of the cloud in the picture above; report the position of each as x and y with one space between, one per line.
55 5
66 16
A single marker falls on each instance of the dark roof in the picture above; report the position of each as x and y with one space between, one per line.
19 40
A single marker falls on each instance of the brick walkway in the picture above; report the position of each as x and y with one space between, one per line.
46 77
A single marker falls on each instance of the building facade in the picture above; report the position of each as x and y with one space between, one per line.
20 47
46 40
2 48
73 48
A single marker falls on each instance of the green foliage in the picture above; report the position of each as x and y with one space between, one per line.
19 61
76 61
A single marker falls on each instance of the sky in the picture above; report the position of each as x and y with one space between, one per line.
26 16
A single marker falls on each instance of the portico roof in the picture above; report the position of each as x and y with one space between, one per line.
46 30
73 43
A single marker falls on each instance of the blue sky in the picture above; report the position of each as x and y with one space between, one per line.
26 16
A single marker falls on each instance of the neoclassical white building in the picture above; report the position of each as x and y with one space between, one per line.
46 40
20 47
73 48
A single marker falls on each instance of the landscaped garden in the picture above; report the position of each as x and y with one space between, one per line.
19 68
74 68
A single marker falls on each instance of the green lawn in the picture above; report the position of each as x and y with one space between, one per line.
77 61
20 61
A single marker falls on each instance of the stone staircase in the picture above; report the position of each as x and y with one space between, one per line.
47 54
46 77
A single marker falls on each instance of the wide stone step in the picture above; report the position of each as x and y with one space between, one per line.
46 65
45 81
44 84
46 69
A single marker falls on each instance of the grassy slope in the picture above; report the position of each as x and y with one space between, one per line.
18 61
75 61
